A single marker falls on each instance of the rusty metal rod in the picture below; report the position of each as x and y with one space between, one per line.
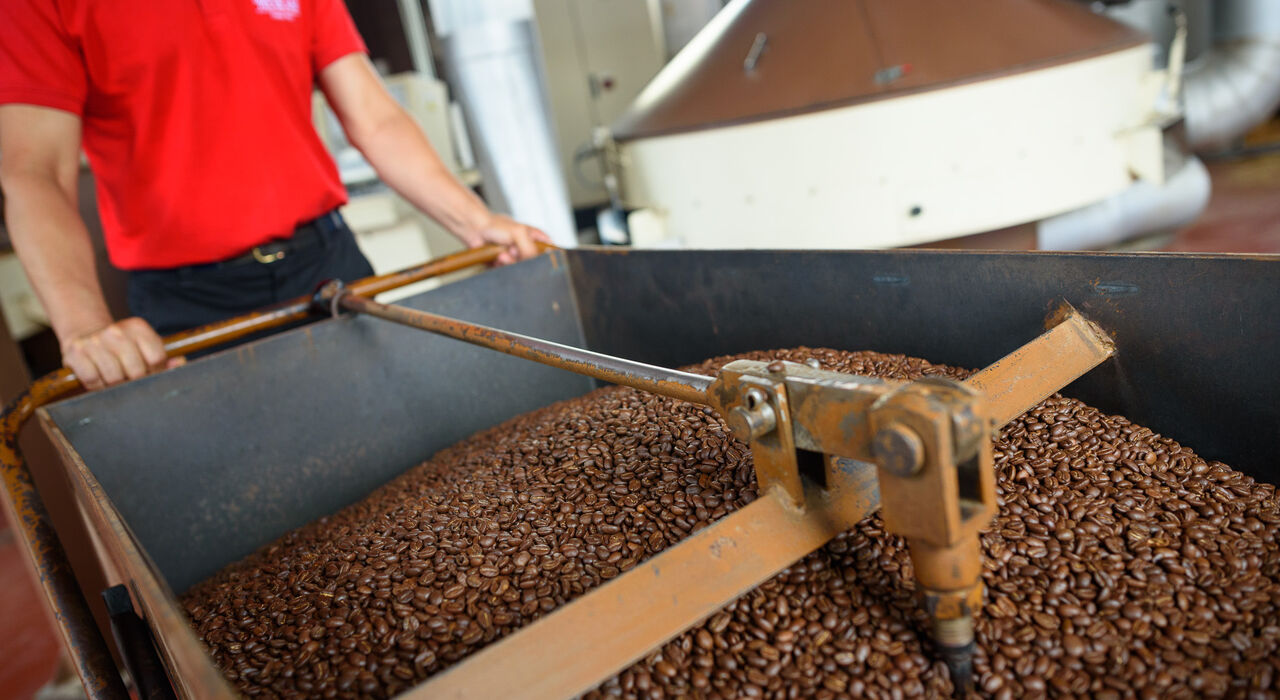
657 380
72 617
63 381
45 556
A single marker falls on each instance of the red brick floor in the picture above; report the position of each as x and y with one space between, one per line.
28 648
1244 210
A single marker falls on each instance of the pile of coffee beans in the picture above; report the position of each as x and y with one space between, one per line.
1120 565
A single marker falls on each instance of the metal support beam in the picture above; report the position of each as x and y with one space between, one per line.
618 623
1072 346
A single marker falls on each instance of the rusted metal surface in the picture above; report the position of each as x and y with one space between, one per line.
1025 377
931 440
952 494
74 621
737 394
585 642
829 409
63 381
484 255
658 380
941 507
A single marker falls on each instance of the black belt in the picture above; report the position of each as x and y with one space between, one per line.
305 235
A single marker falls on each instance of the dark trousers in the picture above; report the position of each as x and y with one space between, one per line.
186 297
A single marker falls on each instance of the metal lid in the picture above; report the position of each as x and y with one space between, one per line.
760 59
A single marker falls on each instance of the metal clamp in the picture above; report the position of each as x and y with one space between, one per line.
328 297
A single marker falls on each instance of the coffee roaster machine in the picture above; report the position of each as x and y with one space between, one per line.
181 473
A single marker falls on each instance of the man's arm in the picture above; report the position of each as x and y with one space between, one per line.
39 163
398 150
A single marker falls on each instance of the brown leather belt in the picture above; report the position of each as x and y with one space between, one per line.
305 235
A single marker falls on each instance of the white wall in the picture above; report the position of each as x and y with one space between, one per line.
681 19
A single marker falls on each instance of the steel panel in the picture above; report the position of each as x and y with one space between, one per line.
1197 336
208 462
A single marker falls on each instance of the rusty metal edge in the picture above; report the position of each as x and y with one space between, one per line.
46 557
191 670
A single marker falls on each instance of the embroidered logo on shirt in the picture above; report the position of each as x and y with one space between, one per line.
283 10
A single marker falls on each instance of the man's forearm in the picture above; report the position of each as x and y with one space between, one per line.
53 244
406 161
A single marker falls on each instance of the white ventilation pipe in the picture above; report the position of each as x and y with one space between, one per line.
493 71
1236 84
1232 77
1143 208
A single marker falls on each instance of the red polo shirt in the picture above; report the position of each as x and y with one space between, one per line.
196 114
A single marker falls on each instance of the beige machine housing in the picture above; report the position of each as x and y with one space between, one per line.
876 124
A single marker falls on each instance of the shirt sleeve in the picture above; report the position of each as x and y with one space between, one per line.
335 34
40 63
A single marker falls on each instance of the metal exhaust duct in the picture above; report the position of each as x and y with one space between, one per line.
1236 85
1232 78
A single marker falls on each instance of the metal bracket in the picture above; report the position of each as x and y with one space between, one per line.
758 412
932 442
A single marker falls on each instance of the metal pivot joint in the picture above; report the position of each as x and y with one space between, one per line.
756 407
937 489
328 297
931 443
899 450
753 418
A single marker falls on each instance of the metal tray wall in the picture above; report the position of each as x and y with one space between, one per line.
211 461
1198 340
206 463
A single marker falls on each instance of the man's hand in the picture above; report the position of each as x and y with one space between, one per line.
519 241
127 349
39 164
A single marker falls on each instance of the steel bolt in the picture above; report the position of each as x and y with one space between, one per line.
753 418
899 450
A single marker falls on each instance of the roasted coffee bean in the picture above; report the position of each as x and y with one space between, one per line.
1120 565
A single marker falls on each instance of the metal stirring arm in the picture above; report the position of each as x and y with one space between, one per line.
931 442
615 370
